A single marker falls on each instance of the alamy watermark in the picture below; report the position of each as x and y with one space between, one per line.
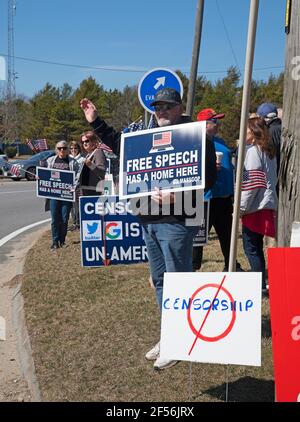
2 69
296 70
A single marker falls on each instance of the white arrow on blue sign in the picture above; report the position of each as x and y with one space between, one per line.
153 81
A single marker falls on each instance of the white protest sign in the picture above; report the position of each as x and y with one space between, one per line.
212 317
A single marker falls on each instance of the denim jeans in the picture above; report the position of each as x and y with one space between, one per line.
169 248
60 211
253 247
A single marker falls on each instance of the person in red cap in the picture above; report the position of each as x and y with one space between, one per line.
221 193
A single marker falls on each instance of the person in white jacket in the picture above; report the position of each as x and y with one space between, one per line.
60 209
259 199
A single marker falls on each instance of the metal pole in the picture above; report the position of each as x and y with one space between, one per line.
146 118
195 58
243 128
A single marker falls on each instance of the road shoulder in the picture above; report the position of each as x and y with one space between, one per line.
17 376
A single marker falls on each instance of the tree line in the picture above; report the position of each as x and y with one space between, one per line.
54 113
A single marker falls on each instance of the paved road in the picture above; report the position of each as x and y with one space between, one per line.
19 206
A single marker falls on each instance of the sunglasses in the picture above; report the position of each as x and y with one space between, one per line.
164 107
62 148
87 141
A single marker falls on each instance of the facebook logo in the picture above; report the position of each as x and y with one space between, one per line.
2 69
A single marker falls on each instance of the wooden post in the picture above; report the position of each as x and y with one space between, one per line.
289 174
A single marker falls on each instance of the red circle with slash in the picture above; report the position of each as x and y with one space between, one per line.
231 324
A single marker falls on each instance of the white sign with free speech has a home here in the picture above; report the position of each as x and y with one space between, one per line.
212 317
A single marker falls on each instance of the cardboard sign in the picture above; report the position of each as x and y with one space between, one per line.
171 158
212 317
284 290
109 233
55 184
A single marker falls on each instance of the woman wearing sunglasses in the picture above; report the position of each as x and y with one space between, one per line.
60 210
93 171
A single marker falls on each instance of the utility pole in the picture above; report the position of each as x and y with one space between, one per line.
10 122
195 58
243 128
289 174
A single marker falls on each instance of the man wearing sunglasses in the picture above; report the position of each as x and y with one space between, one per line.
60 210
168 238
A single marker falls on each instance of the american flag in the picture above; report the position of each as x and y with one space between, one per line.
31 145
161 139
41 145
55 174
104 147
254 179
134 127
14 169
152 123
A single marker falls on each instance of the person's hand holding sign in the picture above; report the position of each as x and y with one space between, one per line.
89 110
161 197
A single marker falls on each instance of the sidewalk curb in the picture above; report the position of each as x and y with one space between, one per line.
23 344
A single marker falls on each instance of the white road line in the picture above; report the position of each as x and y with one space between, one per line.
16 191
21 230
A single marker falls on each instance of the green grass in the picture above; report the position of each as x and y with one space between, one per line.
90 329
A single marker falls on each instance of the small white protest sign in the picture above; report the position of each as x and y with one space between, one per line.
212 317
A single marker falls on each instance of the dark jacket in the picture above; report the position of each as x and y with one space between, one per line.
275 134
112 138
91 177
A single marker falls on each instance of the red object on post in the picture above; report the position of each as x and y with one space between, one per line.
284 290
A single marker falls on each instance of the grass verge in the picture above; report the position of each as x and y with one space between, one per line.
90 329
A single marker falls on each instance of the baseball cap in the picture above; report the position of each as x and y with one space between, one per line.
208 114
267 110
167 95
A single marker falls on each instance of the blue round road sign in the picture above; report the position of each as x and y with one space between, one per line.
153 81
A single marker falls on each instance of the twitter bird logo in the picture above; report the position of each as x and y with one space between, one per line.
92 228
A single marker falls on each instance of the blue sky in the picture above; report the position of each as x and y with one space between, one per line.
134 36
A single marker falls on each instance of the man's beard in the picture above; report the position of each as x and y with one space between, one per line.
163 122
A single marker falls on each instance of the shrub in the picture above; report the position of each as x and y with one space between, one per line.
10 151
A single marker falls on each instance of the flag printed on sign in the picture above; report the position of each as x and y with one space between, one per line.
254 179
162 139
55 175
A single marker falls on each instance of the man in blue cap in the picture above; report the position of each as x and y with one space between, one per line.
168 238
269 113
